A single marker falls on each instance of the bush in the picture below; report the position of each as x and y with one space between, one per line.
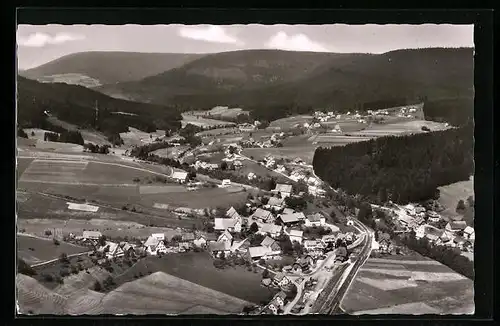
97 286
48 232
56 242
48 277
64 272
24 268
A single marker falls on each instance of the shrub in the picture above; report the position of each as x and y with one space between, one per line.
97 286
24 268
48 277
48 232
64 272
56 242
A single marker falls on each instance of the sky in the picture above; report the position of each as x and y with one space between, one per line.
39 44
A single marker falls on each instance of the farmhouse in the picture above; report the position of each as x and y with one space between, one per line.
295 235
291 219
303 264
200 241
251 176
276 303
283 189
111 249
232 213
240 246
91 235
230 224
456 226
272 230
288 211
226 183
180 176
270 243
316 219
314 246
329 238
259 252
219 248
262 215
225 237
155 245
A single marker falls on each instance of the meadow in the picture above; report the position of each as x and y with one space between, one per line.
203 122
388 286
36 250
450 195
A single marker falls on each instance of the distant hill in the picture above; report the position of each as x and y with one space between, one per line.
76 105
264 80
111 67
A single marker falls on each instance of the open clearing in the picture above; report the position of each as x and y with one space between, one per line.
395 284
451 194
136 137
35 250
89 136
288 123
111 228
198 268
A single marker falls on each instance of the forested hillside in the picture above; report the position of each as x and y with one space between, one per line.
76 105
402 169
259 82
112 67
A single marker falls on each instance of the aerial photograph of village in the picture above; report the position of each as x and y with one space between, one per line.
245 169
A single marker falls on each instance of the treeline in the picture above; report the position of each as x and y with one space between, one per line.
402 169
67 136
455 111
450 257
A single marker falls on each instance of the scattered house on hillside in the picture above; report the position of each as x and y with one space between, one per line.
225 237
180 176
240 246
91 235
270 243
469 233
225 183
455 226
349 223
261 252
267 282
281 280
272 230
200 241
111 250
295 235
154 245
459 241
275 203
262 215
237 164
186 241
251 176
283 189
219 248
316 219
292 219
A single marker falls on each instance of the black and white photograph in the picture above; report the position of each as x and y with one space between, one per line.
245 169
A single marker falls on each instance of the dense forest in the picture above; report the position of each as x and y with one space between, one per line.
402 169
456 111
76 105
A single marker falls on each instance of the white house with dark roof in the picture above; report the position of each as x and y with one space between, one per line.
179 176
217 248
284 189
469 233
225 237
275 203
280 279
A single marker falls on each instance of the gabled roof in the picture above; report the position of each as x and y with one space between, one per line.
288 211
281 295
294 217
311 243
267 242
224 223
226 234
91 234
296 233
270 228
261 214
259 251
458 225
181 175
283 188
232 212
279 276
240 244
188 237
151 241
468 230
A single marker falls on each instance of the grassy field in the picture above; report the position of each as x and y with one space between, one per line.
110 228
288 123
35 250
451 194
136 137
172 152
89 136
202 122
217 132
389 286
306 152
198 268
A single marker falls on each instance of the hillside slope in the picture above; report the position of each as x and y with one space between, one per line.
76 105
262 80
111 67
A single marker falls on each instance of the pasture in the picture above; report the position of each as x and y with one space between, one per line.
288 123
89 136
110 228
450 195
218 132
202 122
36 250
136 137
198 268
388 285
171 152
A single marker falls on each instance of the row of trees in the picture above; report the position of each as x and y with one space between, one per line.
93 148
401 169
67 136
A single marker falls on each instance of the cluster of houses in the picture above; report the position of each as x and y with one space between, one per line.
456 234
271 141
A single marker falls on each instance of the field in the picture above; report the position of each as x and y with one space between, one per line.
35 250
202 122
288 123
389 286
217 132
260 170
198 268
110 228
158 293
306 152
400 128
171 152
333 139
136 137
72 79
221 111
91 136
47 146
451 194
